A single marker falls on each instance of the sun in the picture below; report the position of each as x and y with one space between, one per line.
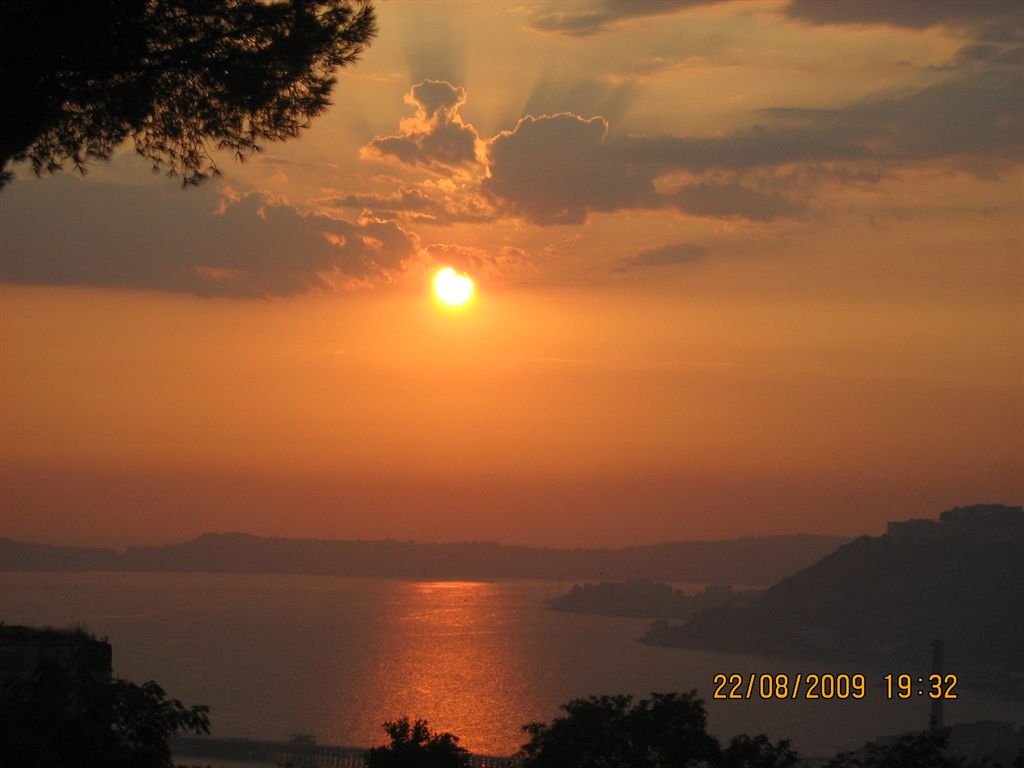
453 288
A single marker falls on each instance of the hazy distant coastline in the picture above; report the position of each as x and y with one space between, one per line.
751 560
646 599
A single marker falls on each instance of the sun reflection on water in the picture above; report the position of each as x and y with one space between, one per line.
446 656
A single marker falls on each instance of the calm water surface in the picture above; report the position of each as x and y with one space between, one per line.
336 656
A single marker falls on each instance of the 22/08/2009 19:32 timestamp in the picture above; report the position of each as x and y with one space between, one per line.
830 686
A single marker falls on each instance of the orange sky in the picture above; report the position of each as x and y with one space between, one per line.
742 268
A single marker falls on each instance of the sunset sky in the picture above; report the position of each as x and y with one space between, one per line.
741 268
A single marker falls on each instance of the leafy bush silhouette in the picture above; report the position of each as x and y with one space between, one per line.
414 745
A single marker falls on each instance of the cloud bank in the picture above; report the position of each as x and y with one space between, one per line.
64 231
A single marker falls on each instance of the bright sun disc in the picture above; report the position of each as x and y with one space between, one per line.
453 288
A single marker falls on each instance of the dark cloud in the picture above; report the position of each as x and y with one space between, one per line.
63 231
555 169
997 24
979 114
663 256
436 136
436 97
583 19
992 55
910 14
725 200
762 145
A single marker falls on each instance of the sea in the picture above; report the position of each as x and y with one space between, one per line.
335 657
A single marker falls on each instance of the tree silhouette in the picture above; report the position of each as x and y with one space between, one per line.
757 752
414 745
923 749
57 718
669 729
181 78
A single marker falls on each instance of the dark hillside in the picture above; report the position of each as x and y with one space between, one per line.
960 578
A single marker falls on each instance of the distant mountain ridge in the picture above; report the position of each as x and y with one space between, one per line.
885 598
751 560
